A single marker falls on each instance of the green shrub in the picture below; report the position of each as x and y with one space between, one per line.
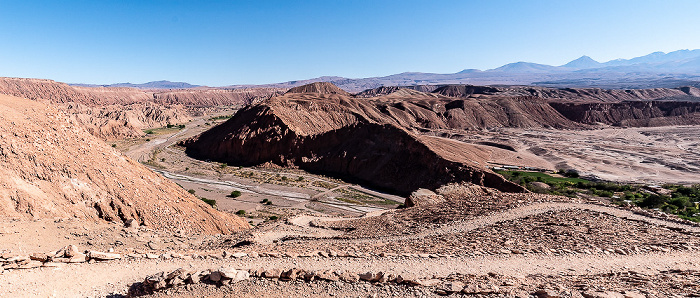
240 212
653 201
273 217
300 178
191 191
208 201
235 194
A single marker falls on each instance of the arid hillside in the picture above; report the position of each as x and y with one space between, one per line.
50 167
119 112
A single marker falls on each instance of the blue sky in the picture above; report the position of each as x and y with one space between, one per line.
219 43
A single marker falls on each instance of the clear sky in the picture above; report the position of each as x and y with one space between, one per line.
219 43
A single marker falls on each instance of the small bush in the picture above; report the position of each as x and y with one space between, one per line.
191 191
240 212
268 203
235 194
284 178
264 201
114 145
273 217
208 201
300 178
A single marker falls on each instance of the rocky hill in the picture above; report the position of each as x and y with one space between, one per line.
319 87
345 137
633 114
50 168
117 112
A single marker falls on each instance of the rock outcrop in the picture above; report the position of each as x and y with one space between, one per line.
50 167
635 113
344 137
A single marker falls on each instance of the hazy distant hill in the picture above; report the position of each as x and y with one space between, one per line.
149 85
674 69
658 69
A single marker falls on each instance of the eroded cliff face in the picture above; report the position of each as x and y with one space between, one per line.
117 112
344 137
635 114
50 167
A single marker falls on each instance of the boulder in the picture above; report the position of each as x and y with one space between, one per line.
71 251
423 197
41 257
292 274
271 273
215 276
103 256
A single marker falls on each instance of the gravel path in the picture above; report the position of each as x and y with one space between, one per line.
101 279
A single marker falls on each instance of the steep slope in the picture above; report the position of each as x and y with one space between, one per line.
345 137
50 167
636 114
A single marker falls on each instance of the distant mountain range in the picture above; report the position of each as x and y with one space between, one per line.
149 85
674 69
658 69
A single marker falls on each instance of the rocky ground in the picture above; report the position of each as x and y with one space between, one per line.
535 246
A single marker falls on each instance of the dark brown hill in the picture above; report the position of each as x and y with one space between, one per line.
464 90
345 137
319 87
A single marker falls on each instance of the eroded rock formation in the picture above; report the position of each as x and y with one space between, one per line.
346 137
50 167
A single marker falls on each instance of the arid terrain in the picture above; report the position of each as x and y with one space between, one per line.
391 192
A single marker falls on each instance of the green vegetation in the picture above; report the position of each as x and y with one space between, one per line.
674 199
235 194
273 217
264 201
114 145
220 117
191 191
240 212
300 178
210 202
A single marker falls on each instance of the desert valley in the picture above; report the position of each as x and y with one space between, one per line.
534 149
311 190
